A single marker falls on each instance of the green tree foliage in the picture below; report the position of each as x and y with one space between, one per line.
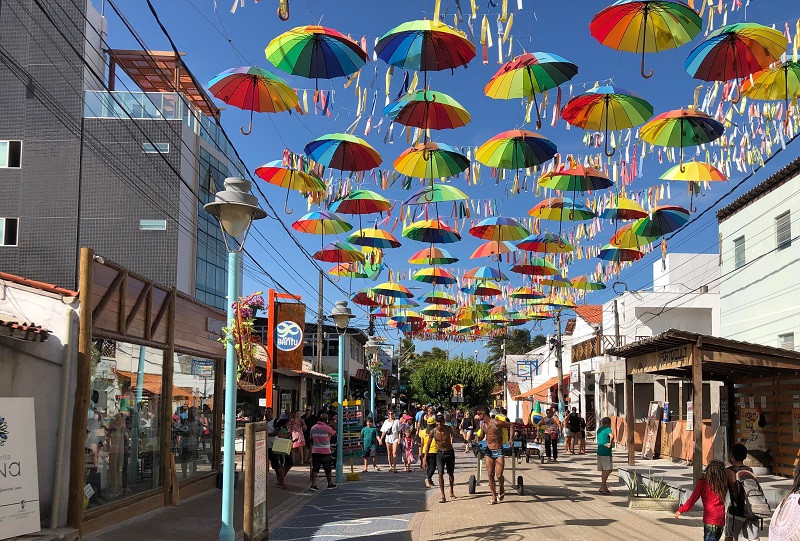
432 381
517 342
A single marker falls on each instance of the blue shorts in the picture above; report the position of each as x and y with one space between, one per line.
494 453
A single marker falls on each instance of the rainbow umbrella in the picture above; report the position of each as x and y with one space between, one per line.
694 172
482 288
374 238
435 311
485 273
529 74
436 193
556 280
425 46
393 290
535 266
431 232
617 255
646 26
431 160
681 128
780 82
344 152
735 51
547 243
622 208
253 89
276 173
434 275
515 149
526 293
625 237
432 256
361 202
315 52
365 297
499 228
560 302
439 297
493 248
438 325
662 221
428 109
607 108
396 302
406 316
586 284
576 179
322 222
498 314
561 209
348 270
339 252
538 314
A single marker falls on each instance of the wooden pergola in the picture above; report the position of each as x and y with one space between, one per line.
699 357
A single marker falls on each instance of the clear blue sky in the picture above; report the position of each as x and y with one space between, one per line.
543 25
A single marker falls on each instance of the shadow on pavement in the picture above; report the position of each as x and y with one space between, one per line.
500 531
588 521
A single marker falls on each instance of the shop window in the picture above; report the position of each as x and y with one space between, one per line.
192 419
152 225
783 231
9 231
10 154
155 148
738 253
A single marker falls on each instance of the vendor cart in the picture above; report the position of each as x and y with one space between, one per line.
530 441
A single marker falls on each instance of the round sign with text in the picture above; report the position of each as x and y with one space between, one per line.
288 336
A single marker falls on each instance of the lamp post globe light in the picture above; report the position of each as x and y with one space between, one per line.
372 347
236 209
341 316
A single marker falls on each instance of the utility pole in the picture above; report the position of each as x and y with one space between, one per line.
616 322
559 366
320 317
505 374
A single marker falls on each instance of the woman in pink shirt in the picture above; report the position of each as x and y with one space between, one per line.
712 488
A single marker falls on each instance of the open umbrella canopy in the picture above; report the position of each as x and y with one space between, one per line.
431 232
428 109
322 222
547 243
434 275
361 202
339 252
393 290
434 311
348 270
438 324
526 293
441 298
374 238
436 193
778 82
432 256
493 248
399 302
315 52
482 288
538 313
586 284
561 209
623 208
694 172
365 297
617 255
646 26
555 280
516 149
576 179
431 160
425 46
535 266
681 128
607 108
735 51
277 174
625 237
499 228
485 273
344 152
662 221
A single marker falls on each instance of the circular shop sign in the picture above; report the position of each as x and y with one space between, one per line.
288 336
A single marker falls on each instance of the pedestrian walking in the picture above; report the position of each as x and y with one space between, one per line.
321 451
582 440
445 455
574 426
736 521
712 489
785 523
369 442
297 427
491 430
552 431
467 424
310 420
428 451
605 443
390 435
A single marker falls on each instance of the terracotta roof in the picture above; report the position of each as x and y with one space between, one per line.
781 177
513 388
590 313
23 331
50 288
570 326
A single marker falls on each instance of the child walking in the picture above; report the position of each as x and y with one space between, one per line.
712 488
408 447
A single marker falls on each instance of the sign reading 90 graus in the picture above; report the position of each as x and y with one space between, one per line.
288 336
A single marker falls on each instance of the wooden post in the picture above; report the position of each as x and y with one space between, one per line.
219 406
256 518
168 473
629 416
77 466
697 408
272 313
249 478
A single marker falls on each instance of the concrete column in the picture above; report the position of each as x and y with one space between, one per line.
697 407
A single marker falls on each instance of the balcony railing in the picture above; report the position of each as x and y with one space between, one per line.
593 347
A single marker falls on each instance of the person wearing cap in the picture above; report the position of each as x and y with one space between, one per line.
492 431
443 435
428 450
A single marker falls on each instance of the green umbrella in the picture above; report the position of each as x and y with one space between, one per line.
436 193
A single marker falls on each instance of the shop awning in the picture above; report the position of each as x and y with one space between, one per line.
540 392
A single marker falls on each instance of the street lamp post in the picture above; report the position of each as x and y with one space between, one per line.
372 346
341 316
236 209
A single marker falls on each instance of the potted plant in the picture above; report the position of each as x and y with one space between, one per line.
652 495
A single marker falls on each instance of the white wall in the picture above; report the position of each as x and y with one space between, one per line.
762 299
29 369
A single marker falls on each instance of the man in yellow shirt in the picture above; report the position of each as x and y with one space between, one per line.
424 436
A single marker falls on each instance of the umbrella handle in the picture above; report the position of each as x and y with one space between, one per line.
250 127
738 94
649 73
613 150
286 204
283 10
425 196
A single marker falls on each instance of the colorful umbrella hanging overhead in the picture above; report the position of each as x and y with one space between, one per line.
586 284
561 209
292 179
365 297
623 208
348 270
362 202
374 238
432 256
344 152
493 248
431 232
392 290
625 237
437 312
253 89
694 172
499 228
662 221
618 255
646 26
428 109
485 273
576 179
431 161
482 288
434 275
515 149
535 266
439 297
546 243
607 108
735 51
339 252
681 128
436 193
526 293
315 52
425 46
530 74
555 280
779 82
322 222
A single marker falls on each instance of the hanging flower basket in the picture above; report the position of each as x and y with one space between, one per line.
249 349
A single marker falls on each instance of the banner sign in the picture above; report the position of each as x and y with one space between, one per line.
202 368
19 473
289 323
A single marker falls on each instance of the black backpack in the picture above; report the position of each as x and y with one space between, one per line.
752 501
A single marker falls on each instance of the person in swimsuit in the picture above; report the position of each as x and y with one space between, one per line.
445 455
492 431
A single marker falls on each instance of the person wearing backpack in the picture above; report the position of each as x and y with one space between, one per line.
785 523
748 504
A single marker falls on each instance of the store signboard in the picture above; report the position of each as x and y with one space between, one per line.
19 474
202 368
